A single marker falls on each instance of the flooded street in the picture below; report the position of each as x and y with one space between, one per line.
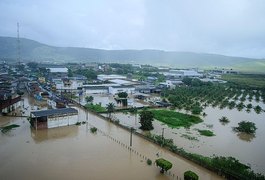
73 152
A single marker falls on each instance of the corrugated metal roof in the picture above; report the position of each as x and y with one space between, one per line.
54 112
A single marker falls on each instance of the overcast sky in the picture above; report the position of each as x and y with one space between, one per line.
230 27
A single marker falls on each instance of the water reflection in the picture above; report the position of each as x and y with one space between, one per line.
246 137
40 136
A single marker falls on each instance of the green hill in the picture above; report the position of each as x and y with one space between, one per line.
35 51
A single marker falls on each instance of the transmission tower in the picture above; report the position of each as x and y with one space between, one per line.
18 45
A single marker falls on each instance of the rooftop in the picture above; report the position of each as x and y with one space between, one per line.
54 112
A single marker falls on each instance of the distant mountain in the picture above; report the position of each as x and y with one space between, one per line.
35 51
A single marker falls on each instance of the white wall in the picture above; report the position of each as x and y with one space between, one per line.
96 91
62 121
117 90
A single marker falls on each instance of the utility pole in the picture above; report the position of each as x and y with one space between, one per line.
131 137
163 139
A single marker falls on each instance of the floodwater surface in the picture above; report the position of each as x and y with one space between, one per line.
73 152
249 149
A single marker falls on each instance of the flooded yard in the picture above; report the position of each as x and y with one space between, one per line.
249 149
73 152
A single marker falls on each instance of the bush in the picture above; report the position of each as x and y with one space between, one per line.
189 175
163 164
206 133
149 162
93 129
78 123
246 127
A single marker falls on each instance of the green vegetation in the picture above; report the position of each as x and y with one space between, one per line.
189 175
90 74
160 140
146 118
149 162
93 130
175 119
224 120
197 94
206 133
192 138
122 94
95 107
110 108
163 164
256 81
257 109
89 99
78 123
246 127
8 128
228 166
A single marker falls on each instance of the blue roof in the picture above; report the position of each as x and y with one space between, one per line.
54 112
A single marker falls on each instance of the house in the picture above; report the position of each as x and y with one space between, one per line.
8 101
95 89
104 77
125 88
51 118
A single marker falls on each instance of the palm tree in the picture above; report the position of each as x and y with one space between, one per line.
110 108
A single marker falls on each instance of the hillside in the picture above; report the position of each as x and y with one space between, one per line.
35 51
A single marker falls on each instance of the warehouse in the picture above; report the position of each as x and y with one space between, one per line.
53 118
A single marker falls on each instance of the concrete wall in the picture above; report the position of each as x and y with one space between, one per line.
62 121
117 90
96 91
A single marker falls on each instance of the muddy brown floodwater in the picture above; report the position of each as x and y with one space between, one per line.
249 149
73 152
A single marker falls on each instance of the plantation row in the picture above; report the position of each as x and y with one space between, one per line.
194 98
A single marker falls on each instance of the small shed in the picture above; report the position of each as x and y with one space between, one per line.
54 118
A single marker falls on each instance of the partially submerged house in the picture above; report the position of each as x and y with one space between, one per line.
51 118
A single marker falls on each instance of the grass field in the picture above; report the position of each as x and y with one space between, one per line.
248 80
96 107
175 119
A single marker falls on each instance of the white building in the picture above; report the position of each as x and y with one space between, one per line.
117 89
58 69
183 73
67 84
54 118
104 77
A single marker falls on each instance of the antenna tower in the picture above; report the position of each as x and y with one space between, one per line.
18 45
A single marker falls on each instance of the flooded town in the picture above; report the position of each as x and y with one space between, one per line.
132 90
57 119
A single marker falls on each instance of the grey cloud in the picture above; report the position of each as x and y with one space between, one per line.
231 27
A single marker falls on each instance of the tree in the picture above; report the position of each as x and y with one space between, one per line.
146 118
110 108
89 99
196 109
70 73
189 175
224 120
163 164
246 127
122 94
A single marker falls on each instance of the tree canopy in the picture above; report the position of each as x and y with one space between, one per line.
146 118
163 164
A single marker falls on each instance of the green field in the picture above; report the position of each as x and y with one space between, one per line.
95 107
206 133
246 80
175 119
